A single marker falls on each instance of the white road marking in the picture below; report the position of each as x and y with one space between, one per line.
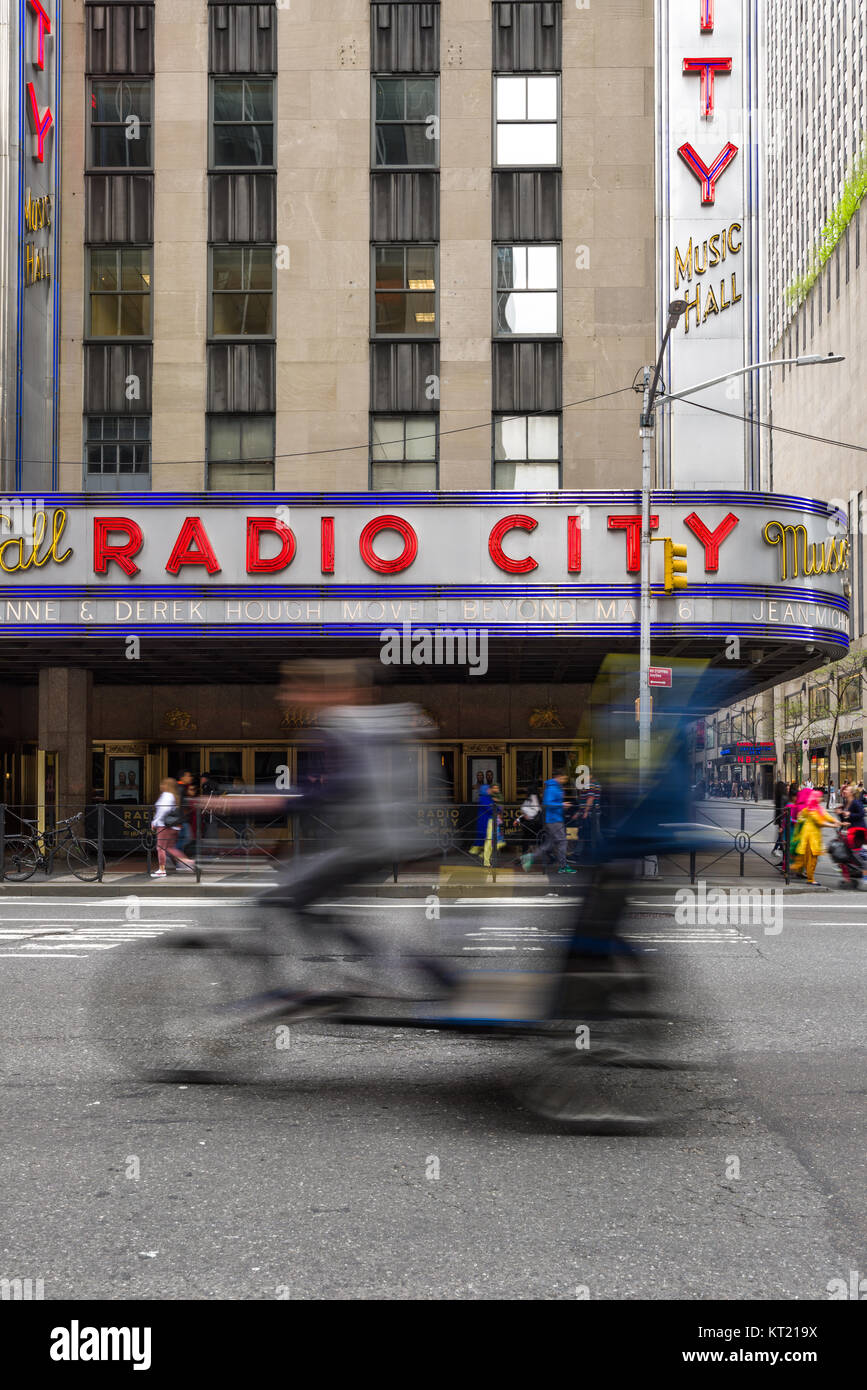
38 944
95 921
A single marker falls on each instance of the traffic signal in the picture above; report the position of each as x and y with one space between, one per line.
675 567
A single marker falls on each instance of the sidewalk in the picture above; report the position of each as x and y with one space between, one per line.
452 881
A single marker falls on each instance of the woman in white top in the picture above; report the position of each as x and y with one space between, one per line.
167 835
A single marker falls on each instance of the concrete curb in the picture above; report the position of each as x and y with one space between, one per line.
408 889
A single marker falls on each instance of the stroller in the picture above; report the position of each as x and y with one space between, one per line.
849 852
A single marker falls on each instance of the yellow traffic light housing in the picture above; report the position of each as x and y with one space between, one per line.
675 567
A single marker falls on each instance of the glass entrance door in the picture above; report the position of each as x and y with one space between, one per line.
182 759
225 766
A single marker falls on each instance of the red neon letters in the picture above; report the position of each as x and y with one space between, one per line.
326 544
44 22
256 564
711 540
495 544
119 539
573 544
632 526
707 69
388 523
192 533
104 551
707 176
41 124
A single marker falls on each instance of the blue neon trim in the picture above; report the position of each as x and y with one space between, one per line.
381 501
408 593
331 629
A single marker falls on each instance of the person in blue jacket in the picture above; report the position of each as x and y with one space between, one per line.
554 843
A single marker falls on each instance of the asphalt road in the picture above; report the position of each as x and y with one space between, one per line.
388 1164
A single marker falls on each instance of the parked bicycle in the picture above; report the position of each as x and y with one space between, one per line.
23 854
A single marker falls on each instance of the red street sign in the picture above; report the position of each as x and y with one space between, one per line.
660 675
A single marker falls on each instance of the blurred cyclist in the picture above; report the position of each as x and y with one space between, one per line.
370 820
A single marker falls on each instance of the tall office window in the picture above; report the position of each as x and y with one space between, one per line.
240 453
120 123
406 125
527 452
119 300
117 452
242 291
405 291
242 122
403 452
527 294
526 117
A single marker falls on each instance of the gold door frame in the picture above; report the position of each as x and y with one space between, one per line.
554 752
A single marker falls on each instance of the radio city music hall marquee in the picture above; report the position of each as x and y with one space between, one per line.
340 563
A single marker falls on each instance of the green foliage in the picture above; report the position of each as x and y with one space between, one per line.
833 231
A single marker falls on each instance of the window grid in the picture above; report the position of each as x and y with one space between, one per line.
405 291
119 299
121 130
527 290
242 291
526 121
406 123
117 444
240 452
242 123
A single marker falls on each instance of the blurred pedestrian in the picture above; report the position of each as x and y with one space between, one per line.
555 828
809 835
166 822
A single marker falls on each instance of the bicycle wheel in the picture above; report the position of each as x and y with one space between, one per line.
21 859
82 859
183 1008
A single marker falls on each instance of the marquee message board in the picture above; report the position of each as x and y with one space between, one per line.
342 563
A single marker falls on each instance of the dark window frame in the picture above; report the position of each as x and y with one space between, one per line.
119 248
526 415
496 122
239 463
535 335
139 440
431 419
92 125
213 122
375 122
241 248
404 246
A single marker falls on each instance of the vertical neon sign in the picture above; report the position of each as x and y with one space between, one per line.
38 311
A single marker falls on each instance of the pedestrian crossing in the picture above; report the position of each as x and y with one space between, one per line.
504 939
74 939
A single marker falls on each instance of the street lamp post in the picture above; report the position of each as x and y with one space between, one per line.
676 310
